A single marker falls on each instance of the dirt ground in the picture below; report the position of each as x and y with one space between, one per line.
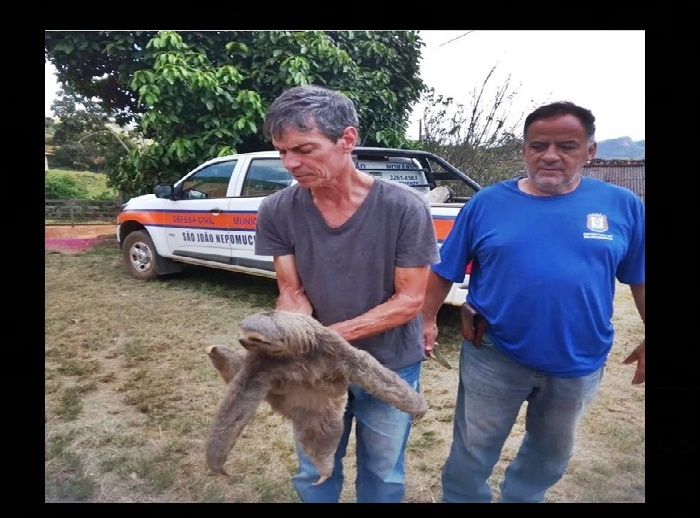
75 238
124 381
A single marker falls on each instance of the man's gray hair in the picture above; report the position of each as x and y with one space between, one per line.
305 108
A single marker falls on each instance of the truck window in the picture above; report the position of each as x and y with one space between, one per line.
209 182
265 176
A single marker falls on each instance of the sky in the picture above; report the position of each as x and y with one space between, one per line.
602 70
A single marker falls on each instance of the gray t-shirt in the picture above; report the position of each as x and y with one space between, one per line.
348 270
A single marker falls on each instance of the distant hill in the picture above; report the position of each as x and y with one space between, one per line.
621 148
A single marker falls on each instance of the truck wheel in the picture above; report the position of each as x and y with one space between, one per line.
139 256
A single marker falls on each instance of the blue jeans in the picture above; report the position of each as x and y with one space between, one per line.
381 435
491 391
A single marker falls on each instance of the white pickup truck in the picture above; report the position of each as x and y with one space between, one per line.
207 218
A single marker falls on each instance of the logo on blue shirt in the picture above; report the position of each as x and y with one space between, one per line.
597 222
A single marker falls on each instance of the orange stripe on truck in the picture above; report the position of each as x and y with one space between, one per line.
229 220
442 227
192 219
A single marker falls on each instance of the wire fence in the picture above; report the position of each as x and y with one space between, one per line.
72 211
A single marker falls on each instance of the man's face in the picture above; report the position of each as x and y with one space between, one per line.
555 151
312 158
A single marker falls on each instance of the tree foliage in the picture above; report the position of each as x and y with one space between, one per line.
84 138
61 187
49 129
482 139
196 95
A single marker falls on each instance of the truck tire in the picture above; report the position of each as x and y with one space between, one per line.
139 256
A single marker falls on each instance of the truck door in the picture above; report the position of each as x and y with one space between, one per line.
261 177
197 225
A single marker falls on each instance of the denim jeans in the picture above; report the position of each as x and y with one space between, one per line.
381 435
491 391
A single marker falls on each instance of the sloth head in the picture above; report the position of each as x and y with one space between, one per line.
278 333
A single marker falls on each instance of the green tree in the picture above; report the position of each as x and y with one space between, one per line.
84 136
49 129
61 187
196 95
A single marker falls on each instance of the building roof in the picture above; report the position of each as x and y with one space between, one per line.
625 173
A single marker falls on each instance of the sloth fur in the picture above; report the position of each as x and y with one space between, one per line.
303 370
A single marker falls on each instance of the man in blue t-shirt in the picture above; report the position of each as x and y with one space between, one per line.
546 250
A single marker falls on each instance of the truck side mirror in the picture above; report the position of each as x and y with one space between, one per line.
163 191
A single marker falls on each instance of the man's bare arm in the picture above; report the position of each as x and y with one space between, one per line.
402 306
639 354
292 296
437 289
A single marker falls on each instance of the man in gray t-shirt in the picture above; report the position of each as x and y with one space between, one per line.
348 270
353 251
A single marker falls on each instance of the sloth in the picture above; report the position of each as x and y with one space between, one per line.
303 370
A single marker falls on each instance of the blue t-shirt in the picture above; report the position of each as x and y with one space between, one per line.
545 268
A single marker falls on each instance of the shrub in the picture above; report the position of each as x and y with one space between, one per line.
61 187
